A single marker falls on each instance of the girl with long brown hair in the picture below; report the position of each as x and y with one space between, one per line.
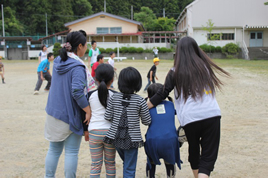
194 81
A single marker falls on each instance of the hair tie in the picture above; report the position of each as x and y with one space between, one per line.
67 46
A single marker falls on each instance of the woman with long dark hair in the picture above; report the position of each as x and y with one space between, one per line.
194 81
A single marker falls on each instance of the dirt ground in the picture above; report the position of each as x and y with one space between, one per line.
244 132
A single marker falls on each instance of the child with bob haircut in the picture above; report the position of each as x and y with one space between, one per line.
194 82
125 110
98 126
161 137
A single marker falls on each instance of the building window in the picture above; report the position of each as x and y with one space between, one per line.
102 30
116 30
221 36
227 36
214 36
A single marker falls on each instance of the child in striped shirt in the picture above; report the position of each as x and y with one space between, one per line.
125 110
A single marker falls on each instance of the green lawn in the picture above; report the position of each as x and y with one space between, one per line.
260 66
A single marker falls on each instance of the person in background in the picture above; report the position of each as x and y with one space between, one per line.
93 53
152 73
111 62
42 54
44 73
155 50
2 70
100 60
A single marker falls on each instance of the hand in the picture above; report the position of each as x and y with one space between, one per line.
42 78
151 79
86 136
88 117
115 69
156 78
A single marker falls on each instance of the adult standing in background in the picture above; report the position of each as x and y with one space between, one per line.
42 54
67 98
93 53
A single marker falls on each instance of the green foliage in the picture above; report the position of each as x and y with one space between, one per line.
108 50
146 17
56 49
266 3
102 50
87 51
212 48
28 17
218 49
205 47
123 50
163 24
12 25
164 50
132 50
148 50
230 49
139 50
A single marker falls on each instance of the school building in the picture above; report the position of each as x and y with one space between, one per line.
106 28
241 21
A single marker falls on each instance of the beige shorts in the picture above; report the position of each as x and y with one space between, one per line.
1 72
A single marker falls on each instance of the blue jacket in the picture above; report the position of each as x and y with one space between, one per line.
66 96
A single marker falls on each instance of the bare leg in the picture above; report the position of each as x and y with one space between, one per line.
195 172
201 175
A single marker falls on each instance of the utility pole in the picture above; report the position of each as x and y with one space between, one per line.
164 15
3 23
131 12
3 26
46 26
104 5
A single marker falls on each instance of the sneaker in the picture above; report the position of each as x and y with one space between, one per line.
36 93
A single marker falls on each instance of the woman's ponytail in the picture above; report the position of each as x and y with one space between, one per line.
103 93
63 54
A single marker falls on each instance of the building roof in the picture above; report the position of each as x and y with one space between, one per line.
106 14
56 34
184 10
16 38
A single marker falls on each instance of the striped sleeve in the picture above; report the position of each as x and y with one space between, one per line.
144 113
109 113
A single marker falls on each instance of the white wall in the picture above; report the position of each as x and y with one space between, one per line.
136 45
2 53
230 13
201 38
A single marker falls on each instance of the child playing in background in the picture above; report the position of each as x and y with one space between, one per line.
43 73
111 62
152 73
161 137
124 110
100 60
93 53
155 50
98 126
2 70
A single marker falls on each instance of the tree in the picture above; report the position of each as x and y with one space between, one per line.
56 49
146 17
266 3
82 7
164 24
209 35
12 26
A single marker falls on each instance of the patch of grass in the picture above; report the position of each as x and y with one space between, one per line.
260 66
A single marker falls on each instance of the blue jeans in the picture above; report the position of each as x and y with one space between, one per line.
129 158
149 83
72 145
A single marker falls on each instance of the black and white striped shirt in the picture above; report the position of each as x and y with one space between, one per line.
136 109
